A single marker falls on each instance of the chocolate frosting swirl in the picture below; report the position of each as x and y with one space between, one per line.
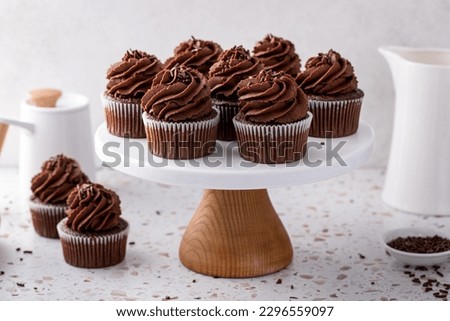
277 54
328 74
233 65
131 77
178 94
58 176
92 208
272 98
195 53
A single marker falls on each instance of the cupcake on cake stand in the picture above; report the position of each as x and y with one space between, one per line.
235 231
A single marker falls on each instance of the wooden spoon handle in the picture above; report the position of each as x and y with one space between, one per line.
3 131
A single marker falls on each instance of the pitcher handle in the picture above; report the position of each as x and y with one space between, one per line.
19 123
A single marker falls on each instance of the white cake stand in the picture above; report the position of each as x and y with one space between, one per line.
235 231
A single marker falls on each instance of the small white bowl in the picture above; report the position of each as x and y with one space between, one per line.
415 258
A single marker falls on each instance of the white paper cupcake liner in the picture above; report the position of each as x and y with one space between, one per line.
45 217
335 118
227 111
123 119
93 251
273 144
182 140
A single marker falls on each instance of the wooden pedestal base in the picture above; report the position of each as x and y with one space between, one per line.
235 234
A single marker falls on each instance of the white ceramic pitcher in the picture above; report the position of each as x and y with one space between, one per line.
418 173
47 132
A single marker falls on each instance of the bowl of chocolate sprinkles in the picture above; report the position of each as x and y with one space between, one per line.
417 246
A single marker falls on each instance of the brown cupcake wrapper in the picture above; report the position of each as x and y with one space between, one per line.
273 144
183 140
45 217
93 251
228 110
334 118
123 119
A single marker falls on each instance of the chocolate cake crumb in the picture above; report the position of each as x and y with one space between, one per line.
27 252
279 281
18 249
439 273
292 287
132 243
2 272
362 257
20 284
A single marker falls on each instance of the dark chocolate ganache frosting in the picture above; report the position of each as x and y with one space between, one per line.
272 98
233 65
328 74
278 54
178 94
195 53
92 208
58 176
131 77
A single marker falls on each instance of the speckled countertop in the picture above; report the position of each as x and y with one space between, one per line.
335 227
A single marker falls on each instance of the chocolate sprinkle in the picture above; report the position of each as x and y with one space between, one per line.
420 244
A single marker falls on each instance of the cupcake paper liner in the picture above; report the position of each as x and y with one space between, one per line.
334 118
45 217
95 250
273 144
183 140
123 119
227 111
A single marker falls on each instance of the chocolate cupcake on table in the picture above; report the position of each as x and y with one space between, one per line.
233 65
128 81
50 189
195 53
179 120
278 54
273 123
333 95
93 235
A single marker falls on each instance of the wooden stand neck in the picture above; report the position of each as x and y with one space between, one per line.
235 234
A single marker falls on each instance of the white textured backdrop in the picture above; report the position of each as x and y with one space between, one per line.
70 44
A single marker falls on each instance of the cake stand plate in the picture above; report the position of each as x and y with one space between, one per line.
235 231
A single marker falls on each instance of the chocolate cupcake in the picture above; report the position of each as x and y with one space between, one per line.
273 122
128 81
333 95
195 53
278 54
179 119
50 189
93 235
233 65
